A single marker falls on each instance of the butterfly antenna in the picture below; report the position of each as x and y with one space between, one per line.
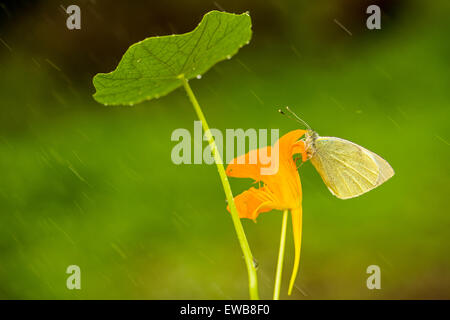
298 118
295 117
284 114
288 115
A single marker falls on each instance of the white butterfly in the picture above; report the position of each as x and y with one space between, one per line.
347 169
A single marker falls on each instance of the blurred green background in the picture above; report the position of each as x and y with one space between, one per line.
94 186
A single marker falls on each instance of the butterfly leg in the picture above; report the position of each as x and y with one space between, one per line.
304 156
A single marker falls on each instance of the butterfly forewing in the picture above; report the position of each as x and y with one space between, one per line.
347 169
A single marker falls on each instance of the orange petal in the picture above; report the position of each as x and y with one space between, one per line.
288 142
299 148
249 165
252 202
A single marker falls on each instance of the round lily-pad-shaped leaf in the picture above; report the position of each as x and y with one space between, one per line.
155 66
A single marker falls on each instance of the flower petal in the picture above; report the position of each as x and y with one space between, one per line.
288 142
252 202
250 164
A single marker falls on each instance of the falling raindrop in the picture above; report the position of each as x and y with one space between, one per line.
199 76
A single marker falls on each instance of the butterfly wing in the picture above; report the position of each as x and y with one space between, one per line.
347 169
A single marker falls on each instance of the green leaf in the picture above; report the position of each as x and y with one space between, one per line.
155 66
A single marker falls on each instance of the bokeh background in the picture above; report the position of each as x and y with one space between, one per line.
85 184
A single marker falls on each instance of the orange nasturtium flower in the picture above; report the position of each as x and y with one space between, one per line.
279 191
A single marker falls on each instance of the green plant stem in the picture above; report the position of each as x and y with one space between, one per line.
248 257
276 290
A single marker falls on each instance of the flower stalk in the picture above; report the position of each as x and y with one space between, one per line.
248 257
277 287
